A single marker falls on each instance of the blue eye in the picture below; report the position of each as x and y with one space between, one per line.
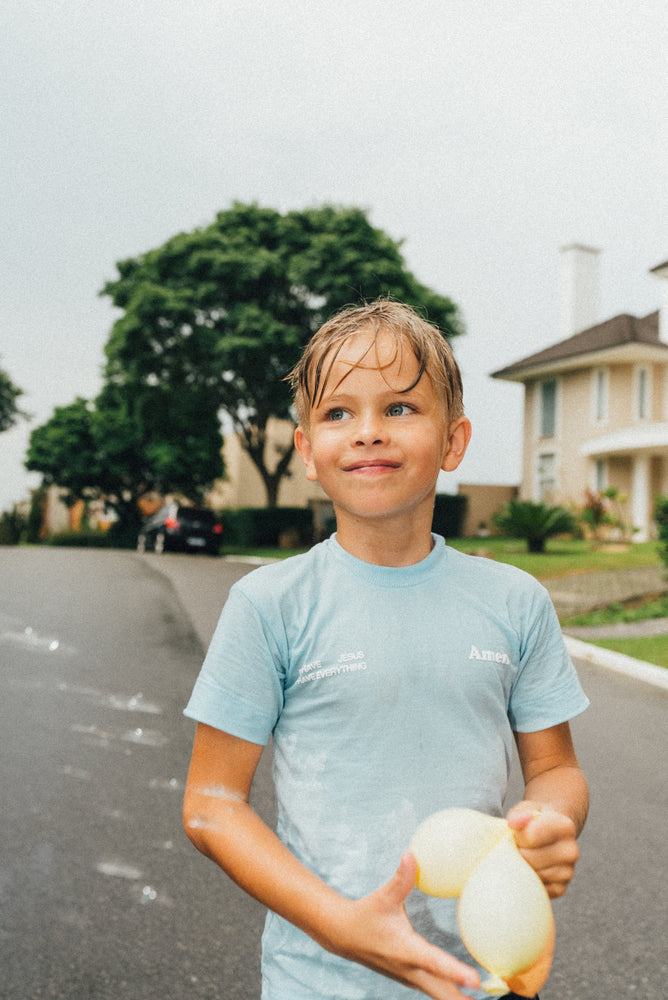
399 409
338 413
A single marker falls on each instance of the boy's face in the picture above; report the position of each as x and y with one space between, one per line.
377 451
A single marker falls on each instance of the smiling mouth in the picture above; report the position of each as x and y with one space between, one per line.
375 465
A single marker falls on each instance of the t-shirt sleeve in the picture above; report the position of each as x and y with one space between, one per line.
240 686
546 691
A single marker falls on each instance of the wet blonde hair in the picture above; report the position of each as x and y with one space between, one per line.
405 327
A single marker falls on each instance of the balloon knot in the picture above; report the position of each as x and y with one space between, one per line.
495 985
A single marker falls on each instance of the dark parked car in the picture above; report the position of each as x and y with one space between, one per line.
181 529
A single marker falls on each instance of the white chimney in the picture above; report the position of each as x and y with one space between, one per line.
579 289
662 272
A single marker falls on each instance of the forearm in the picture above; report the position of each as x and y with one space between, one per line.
554 809
562 789
553 778
235 838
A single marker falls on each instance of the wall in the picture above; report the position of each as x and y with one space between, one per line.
620 406
482 502
56 516
575 427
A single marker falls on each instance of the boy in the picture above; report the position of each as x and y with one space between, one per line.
368 659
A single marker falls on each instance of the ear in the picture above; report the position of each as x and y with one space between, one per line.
459 435
303 446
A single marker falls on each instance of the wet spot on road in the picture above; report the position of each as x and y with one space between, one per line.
118 869
104 737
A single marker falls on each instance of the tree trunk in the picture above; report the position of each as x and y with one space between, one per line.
271 485
254 442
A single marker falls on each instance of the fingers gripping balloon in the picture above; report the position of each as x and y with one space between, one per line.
504 913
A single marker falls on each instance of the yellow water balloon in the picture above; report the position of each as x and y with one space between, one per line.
504 913
450 844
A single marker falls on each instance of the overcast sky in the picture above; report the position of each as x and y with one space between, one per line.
486 135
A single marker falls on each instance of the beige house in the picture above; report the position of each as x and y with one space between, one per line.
596 402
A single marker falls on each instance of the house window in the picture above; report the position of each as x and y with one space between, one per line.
600 395
601 475
548 408
547 477
643 393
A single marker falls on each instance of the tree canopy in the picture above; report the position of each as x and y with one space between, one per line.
126 444
222 313
63 449
9 394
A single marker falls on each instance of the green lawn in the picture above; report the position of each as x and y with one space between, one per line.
561 556
653 649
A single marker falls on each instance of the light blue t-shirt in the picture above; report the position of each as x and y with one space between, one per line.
391 693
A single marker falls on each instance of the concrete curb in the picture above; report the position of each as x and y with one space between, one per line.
619 662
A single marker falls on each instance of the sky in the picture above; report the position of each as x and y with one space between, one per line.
484 135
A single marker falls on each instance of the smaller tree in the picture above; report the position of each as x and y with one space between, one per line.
128 443
535 522
63 450
9 393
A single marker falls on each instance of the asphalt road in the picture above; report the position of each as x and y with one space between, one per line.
101 894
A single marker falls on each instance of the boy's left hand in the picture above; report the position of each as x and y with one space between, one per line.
546 839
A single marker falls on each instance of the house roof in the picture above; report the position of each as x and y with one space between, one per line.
615 333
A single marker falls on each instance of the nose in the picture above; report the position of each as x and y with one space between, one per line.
368 430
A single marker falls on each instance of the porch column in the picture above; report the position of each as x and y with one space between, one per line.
640 500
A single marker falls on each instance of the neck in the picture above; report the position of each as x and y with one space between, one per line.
385 544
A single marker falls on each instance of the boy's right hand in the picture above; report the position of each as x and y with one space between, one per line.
375 932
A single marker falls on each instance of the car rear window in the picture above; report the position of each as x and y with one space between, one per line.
192 514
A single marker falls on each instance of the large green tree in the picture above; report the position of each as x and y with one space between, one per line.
9 394
223 312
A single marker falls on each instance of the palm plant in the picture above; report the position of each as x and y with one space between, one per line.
534 522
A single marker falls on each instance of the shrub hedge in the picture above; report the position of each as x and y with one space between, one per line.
253 526
81 539
449 514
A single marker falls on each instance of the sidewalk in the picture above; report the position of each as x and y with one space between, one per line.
583 592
